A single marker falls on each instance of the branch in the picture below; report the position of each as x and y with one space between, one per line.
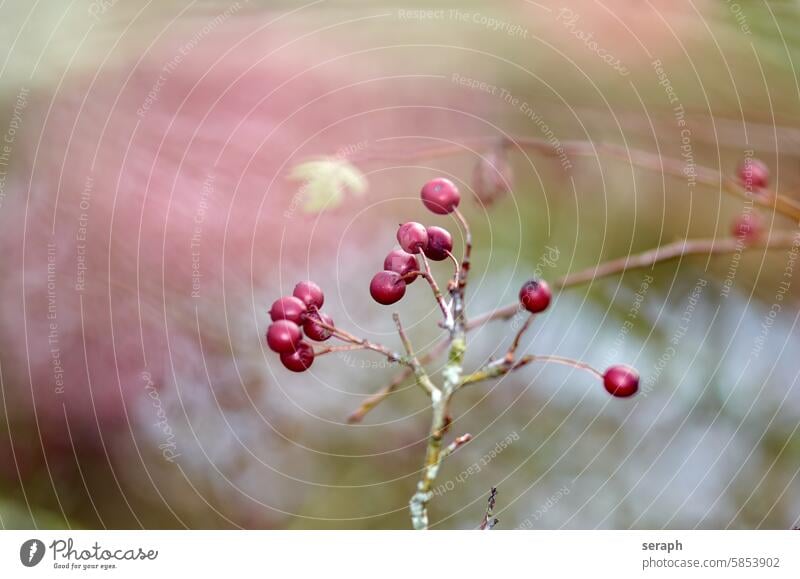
643 159
677 249
440 403
607 269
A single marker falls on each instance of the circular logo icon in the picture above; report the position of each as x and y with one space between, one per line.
31 552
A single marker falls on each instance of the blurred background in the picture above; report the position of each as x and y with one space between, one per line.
148 219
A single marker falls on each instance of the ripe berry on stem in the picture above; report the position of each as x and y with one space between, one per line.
440 243
313 330
621 381
301 359
440 196
283 336
753 174
288 308
401 262
309 293
387 287
412 237
535 295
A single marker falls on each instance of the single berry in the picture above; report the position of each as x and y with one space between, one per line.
493 177
747 227
535 295
621 381
412 236
753 174
288 308
283 336
440 243
440 196
387 288
309 293
401 262
301 359
313 330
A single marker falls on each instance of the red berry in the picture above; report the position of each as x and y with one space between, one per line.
440 196
288 308
440 242
387 288
401 262
621 381
753 174
309 293
747 227
535 295
412 236
301 359
283 336
313 330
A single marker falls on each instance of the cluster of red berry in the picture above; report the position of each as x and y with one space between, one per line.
291 317
441 196
300 313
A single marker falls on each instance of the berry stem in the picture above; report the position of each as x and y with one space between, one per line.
502 367
465 261
334 349
437 293
515 344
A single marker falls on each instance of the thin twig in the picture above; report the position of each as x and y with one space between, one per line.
381 395
512 350
454 446
364 343
456 265
419 372
334 349
488 522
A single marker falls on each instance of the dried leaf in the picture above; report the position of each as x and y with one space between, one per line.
325 182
